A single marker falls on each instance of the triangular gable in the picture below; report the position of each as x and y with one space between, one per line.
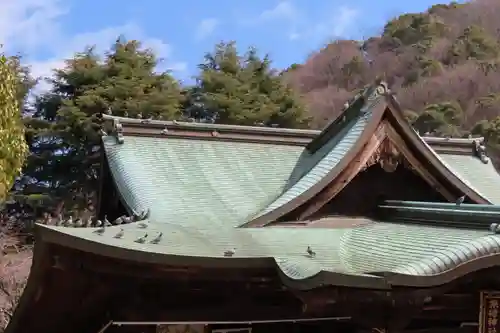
379 133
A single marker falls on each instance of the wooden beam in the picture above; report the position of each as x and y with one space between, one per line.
94 264
447 314
229 312
452 301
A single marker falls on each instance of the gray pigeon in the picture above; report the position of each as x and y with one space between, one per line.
141 240
460 200
100 231
120 234
229 253
157 239
310 252
118 221
106 221
494 227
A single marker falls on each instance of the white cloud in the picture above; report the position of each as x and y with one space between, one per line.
206 28
299 26
27 24
337 25
285 10
32 27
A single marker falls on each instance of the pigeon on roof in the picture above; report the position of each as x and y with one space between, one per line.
460 200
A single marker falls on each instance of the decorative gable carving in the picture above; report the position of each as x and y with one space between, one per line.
387 155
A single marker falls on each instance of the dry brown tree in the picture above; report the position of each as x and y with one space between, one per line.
15 263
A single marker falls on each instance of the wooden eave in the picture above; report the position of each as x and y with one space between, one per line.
387 123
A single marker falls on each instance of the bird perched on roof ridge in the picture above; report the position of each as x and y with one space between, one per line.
460 200
79 223
157 239
101 230
106 221
310 252
230 253
127 219
68 222
145 214
120 233
495 228
142 239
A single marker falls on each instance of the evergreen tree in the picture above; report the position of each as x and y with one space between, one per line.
245 90
65 140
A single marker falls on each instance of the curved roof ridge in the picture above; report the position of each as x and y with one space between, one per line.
442 205
446 210
210 126
452 141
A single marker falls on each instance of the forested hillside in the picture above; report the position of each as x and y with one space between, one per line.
443 63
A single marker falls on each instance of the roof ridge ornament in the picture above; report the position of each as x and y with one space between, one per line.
480 151
118 131
372 96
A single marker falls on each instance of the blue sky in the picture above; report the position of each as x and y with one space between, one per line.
46 32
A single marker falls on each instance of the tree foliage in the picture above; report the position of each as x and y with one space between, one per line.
65 128
13 148
246 90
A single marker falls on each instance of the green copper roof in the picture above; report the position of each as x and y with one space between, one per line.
482 177
191 182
